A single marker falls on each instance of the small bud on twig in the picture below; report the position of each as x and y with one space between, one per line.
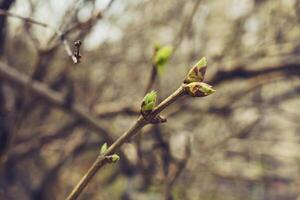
110 158
199 89
196 74
103 148
148 103
115 158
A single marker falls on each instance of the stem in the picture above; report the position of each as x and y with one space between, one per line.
168 101
151 79
134 129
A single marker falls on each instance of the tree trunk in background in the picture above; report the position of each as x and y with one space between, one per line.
4 5
4 127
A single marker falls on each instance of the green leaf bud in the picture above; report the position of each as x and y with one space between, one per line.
199 89
161 58
196 74
103 148
115 158
149 102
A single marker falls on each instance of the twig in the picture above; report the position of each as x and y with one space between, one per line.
286 64
153 72
134 129
152 79
192 86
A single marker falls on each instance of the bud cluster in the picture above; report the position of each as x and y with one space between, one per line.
193 84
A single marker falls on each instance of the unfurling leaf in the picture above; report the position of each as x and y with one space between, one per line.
161 57
115 158
196 74
103 148
199 89
149 102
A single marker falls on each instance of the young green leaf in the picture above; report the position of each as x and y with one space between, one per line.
157 46
197 73
149 102
115 157
103 148
161 58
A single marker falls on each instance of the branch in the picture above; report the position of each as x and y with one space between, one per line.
54 98
176 170
60 34
192 86
287 65
151 79
133 130
90 22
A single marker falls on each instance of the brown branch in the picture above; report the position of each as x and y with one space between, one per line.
44 190
133 130
54 98
287 65
152 79
265 70
175 168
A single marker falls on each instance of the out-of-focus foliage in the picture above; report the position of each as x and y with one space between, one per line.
162 56
244 138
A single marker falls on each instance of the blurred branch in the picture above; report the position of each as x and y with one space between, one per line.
286 65
151 79
186 23
62 132
5 114
88 23
54 98
175 169
4 5
111 109
44 190
63 41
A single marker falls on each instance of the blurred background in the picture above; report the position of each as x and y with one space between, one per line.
241 143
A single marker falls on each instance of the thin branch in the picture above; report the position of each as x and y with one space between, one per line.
89 22
286 64
11 75
186 24
265 70
152 79
133 130
175 168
